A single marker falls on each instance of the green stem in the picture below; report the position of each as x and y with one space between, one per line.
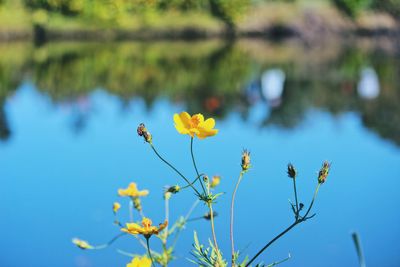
232 209
312 201
272 241
357 244
213 228
148 251
295 196
172 167
194 181
194 164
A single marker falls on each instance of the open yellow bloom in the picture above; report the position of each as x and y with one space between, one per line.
132 191
147 229
140 262
194 125
82 244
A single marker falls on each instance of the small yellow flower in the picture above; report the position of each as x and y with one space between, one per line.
82 244
140 262
116 207
132 191
146 230
215 181
194 125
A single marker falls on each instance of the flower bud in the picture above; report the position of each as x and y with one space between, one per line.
245 160
174 189
116 207
137 204
167 195
142 131
215 181
323 173
82 244
291 171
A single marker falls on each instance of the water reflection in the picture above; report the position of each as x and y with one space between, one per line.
272 82
368 87
212 77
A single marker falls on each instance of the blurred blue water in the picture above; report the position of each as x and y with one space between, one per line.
58 184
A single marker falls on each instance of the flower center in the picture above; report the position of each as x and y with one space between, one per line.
194 121
146 223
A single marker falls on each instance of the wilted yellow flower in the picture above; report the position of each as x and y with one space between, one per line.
132 191
116 207
194 125
323 173
82 244
245 160
142 131
146 230
215 181
140 262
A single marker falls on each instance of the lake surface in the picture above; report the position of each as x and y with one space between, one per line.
68 118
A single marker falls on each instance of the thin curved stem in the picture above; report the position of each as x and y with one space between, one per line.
149 252
231 223
194 164
312 201
172 167
109 243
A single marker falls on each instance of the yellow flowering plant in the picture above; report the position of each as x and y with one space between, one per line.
203 189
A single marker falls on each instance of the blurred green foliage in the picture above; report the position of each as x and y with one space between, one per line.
389 6
352 7
228 11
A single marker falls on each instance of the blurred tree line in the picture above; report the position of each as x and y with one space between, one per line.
227 11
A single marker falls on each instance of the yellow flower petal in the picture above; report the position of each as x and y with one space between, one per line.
209 123
140 262
182 125
206 133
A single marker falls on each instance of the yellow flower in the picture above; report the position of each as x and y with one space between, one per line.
140 262
215 181
147 229
116 207
132 191
82 244
194 125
